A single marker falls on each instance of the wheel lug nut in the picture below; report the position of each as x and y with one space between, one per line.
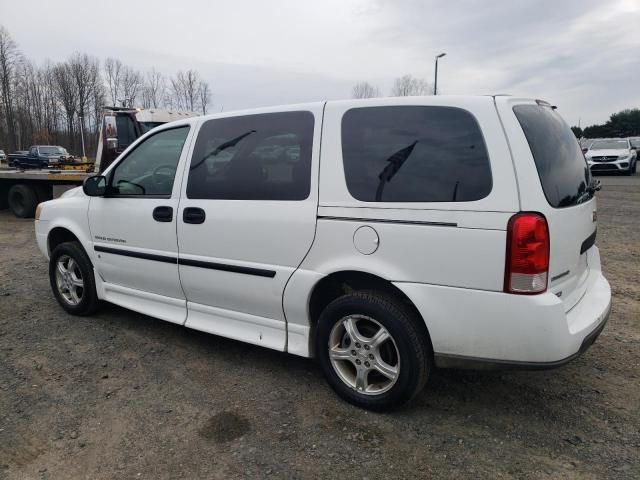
371 356
357 345
366 364
353 352
358 362
367 347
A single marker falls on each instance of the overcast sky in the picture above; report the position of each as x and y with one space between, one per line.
581 55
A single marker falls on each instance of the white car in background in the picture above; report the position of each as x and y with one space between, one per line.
612 155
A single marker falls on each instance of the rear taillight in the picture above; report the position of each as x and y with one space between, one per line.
527 265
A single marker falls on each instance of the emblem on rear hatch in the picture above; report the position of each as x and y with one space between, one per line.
594 216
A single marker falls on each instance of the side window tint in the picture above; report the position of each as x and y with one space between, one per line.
253 157
414 154
151 167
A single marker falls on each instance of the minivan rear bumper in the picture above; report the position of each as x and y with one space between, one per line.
488 330
462 362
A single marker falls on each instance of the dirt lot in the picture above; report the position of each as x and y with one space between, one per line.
121 395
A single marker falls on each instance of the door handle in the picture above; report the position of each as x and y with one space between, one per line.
163 214
193 215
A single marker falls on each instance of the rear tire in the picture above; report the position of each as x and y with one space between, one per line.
22 201
71 278
360 378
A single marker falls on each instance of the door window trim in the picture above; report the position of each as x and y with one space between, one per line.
133 149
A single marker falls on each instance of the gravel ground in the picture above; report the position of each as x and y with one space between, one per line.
121 395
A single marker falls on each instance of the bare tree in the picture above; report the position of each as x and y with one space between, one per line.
154 89
9 57
85 72
364 90
113 72
67 95
131 86
204 96
184 88
408 85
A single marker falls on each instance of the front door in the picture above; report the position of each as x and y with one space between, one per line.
247 219
133 228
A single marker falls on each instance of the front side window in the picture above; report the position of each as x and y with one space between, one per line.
253 157
151 167
414 154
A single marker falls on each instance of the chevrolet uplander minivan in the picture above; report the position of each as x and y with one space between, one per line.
384 237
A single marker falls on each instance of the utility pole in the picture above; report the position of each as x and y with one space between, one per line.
435 82
84 156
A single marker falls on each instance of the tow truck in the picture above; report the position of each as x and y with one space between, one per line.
21 190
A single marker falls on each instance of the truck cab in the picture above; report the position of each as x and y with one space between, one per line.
121 126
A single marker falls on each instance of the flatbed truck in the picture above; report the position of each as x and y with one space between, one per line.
22 190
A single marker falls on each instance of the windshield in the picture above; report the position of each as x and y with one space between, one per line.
146 126
609 145
62 151
49 150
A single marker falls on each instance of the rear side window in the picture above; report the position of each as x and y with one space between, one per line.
414 154
561 166
253 157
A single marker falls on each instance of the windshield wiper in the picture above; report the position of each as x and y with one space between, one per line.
223 146
395 163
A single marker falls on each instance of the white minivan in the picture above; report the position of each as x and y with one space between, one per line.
384 237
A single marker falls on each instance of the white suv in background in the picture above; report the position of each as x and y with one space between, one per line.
384 237
612 155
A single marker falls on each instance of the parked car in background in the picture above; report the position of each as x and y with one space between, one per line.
635 144
384 237
40 156
612 155
63 157
3 156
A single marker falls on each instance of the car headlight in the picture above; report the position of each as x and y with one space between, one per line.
38 211
623 157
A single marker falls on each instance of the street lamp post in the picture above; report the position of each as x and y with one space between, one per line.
435 83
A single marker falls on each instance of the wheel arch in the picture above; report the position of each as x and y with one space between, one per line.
60 234
338 283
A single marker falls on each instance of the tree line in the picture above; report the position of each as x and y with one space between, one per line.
53 102
625 123
404 86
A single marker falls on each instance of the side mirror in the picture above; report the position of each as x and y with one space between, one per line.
95 186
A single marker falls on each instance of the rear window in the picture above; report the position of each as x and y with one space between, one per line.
414 154
561 166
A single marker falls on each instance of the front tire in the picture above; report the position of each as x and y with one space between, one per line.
373 349
71 279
